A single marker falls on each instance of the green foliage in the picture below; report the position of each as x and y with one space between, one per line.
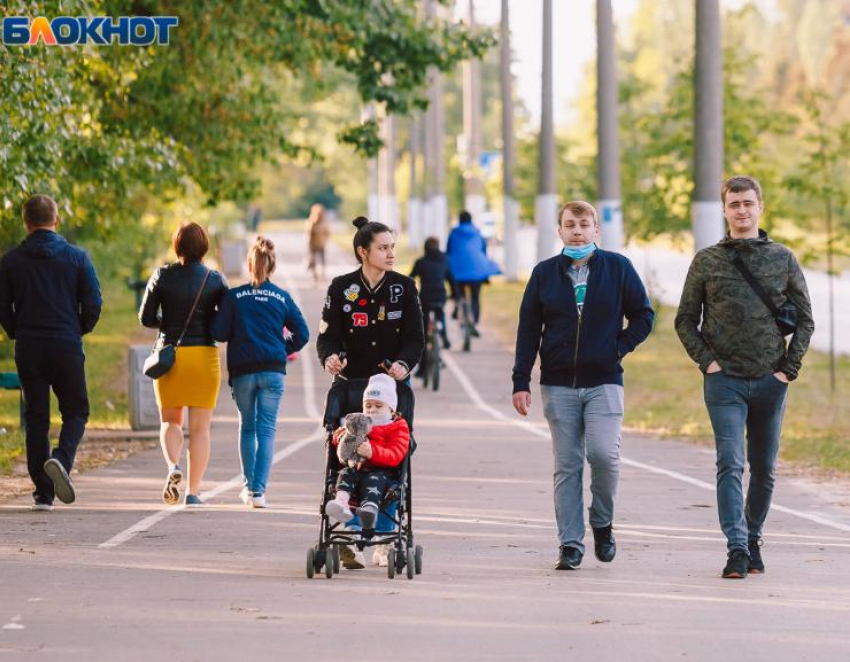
116 132
823 173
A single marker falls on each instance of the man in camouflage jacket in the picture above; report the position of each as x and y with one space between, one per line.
733 337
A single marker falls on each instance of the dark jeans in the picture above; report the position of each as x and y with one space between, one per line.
474 295
368 486
42 365
755 407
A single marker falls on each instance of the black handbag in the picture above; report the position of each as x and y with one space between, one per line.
162 357
785 315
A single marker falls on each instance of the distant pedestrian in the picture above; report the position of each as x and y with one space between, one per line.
193 381
319 232
251 321
49 299
572 314
734 337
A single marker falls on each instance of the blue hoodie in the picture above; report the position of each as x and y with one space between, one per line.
467 254
251 321
48 290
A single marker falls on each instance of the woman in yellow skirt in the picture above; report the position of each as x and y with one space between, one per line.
194 379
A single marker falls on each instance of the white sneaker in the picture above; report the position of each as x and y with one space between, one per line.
339 511
259 501
245 496
379 556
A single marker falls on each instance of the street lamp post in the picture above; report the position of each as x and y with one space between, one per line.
608 167
511 209
707 212
546 203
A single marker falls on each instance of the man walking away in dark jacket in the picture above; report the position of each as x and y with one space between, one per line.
572 316
734 338
49 299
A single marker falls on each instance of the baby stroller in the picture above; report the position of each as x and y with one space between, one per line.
346 397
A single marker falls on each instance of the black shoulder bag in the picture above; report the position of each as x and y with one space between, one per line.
162 357
785 316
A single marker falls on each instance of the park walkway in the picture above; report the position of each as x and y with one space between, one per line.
119 576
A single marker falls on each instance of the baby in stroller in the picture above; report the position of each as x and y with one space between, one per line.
383 451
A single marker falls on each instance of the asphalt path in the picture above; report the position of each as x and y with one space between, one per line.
120 576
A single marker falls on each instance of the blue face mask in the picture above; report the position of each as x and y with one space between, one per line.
579 252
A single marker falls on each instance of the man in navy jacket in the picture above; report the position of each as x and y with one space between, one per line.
572 315
49 298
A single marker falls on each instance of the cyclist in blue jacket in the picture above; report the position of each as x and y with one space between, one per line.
469 265
251 320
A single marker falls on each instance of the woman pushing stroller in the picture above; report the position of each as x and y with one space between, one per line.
370 316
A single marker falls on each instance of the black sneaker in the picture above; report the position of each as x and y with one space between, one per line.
756 566
569 558
42 504
737 565
61 481
604 545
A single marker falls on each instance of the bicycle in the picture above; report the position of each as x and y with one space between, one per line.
431 361
467 327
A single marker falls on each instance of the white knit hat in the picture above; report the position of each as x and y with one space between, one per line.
381 387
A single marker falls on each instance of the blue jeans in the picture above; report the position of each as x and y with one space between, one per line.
737 406
584 422
257 397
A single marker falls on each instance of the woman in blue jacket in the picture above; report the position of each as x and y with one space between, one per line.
251 320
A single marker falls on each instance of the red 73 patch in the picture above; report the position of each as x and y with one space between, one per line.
360 319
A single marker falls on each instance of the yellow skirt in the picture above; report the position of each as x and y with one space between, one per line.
193 380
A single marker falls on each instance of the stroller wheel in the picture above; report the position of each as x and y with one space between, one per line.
417 558
329 563
391 563
311 563
335 558
411 563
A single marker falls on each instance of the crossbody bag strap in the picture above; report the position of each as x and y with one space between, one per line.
757 288
192 311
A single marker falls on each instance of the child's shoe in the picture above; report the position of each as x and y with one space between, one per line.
339 511
368 514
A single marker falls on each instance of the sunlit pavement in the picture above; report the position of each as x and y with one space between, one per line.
119 576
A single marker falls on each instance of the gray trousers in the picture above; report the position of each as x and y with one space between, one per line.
584 422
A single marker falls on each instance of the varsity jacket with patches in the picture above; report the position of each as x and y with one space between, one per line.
371 324
722 319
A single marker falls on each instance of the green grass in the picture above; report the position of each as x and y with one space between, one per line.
664 390
106 373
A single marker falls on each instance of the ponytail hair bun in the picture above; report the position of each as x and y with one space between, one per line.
359 222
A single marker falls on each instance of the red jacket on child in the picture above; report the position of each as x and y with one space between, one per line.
389 444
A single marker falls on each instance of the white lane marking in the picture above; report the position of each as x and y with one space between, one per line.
149 522
15 624
475 396
306 357
307 370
